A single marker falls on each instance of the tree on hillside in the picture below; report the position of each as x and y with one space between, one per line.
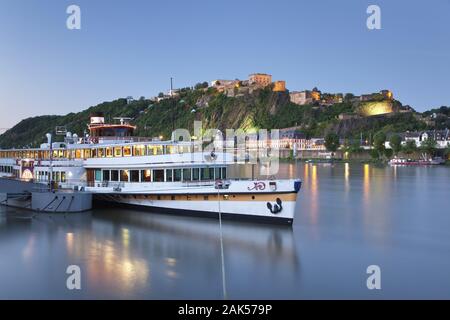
447 153
348 96
332 142
161 94
201 85
395 142
378 142
429 146
410 147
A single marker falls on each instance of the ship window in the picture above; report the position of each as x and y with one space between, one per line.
98 175
117 151
114 175
187 174
78 154
134 175
177 175
127 151
207 173
171 149
106 175
139 150
94 153
63 176
169 175
184 149
87 153
101 153
158 175
146 175
196 174
109 152
217 173
124 175
155 150
224 173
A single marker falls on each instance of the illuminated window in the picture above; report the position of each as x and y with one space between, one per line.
87 153
171 149
101 153
78 154
139 150
127 151
155 150
124 175
146 175
117 151
109 152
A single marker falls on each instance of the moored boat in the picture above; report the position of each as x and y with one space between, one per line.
163 176
420 162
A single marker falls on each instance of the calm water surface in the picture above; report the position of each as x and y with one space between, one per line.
350 216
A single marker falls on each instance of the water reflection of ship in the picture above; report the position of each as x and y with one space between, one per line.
260 241
128 254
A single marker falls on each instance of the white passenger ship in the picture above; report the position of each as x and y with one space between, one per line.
162 176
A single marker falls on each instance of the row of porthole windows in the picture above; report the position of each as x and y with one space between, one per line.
162 175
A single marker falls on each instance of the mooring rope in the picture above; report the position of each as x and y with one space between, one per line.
224 288
56 197
64 198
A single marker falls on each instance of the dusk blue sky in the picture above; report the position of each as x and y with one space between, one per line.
133 48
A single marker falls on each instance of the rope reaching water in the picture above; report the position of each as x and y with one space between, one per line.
224 288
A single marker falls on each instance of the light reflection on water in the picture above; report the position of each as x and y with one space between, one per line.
349 216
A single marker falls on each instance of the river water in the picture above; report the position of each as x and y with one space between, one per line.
350 216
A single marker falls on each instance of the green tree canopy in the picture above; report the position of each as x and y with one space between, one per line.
410 147
429 146
378 142
332 142
395 142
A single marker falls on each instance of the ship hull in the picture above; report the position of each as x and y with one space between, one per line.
236 207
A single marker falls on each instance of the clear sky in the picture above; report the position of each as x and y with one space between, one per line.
133 48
